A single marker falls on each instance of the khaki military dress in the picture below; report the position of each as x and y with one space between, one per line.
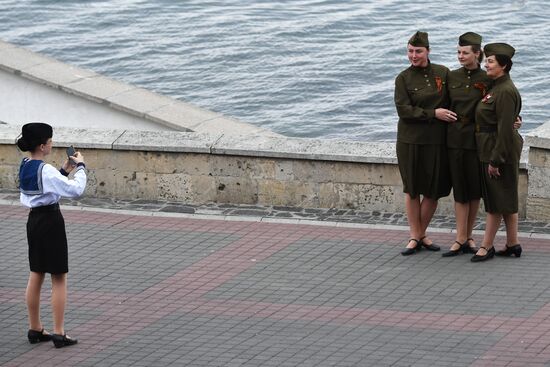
421 150
499 144
466 88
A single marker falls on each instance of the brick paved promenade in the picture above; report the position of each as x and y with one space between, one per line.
153 290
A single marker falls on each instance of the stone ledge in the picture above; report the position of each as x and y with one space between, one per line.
162 141
64 136
219 144
124 97
304 148
540 137
337 150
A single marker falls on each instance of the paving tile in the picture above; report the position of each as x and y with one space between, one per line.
163 291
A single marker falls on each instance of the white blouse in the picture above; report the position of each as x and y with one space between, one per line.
51 185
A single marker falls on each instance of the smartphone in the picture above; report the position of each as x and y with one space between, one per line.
71 152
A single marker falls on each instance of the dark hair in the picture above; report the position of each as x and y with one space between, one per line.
505 62
477 48
29 146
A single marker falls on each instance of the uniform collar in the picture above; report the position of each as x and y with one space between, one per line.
424 69
471 72
502 79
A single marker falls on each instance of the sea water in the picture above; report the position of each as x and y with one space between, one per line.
306 68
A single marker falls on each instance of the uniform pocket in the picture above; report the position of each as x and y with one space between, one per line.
418 89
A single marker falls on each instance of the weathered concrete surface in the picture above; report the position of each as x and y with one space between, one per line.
203 168
310 149
538 200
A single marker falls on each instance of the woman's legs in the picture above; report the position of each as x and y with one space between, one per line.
32 297
419 215
412 207
462 216
511 222
472 216
492 223
427 210
59 299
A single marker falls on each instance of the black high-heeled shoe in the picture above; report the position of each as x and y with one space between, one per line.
510 250
467 249
61 341
411 250
489 255
38 336
430 247
451 252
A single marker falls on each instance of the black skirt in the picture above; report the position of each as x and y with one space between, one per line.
47 240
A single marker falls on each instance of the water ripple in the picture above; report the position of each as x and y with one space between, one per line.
301 68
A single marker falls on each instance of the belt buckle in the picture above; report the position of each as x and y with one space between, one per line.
477 128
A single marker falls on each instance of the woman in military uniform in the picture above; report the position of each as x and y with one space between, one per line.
420 100
499 148
466 87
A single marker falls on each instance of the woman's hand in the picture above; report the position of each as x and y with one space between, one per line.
68 166
77 158
493 171
517 123
444 114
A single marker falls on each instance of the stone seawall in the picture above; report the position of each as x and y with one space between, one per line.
538 200
200 168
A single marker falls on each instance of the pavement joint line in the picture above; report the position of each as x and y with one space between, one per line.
263 219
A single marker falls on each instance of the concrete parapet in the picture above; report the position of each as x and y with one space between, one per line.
200 168
538 200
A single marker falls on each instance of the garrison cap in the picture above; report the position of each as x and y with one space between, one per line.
499 49
469 39
419 39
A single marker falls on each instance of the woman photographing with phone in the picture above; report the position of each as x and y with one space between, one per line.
41 187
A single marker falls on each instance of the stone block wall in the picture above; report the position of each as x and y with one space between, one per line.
197 169
538 201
